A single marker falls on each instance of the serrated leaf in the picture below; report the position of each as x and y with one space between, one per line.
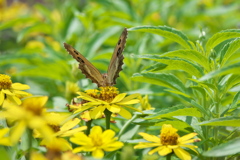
189 54
229 148
161 79
231 69
167 32
176 111
228 50
176 64
223 121
220 37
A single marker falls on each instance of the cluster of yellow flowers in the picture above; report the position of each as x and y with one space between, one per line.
23 112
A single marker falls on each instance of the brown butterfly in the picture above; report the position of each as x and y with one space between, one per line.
91 72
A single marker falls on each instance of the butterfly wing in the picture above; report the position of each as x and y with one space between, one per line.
117 59
85 66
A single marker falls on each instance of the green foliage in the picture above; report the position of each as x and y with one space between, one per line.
182 53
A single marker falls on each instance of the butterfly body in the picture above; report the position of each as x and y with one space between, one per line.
91 72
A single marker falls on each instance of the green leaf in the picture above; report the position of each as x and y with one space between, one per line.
200 108
220 37
155 67
161 79
190 55
4 154
176 64
231 69
229 148
223 121
228 50
167 32
179 110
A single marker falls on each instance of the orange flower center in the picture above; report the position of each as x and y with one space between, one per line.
5 82
169 136
108 93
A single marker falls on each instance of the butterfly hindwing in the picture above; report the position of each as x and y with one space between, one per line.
117 59
85 66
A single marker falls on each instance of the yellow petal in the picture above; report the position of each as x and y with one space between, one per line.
192 147
97 112
96 130
164 151
134 101
125 114
2 96
128 98
70 124
98 153
182 154
6 91
14 99
149 137
146 145
35 102
113 146
114 108
108 134
186 137
81 139
19 86
118 98
86 97
78 149
17 131
132 108
73 131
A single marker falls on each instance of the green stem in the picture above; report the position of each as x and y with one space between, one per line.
168 157
29 132
88 123
108 118
126 125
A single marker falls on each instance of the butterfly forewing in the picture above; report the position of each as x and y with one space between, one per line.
85 66
117 59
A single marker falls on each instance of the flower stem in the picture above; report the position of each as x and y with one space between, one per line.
88 123
29 132
168 157
108 117
126 125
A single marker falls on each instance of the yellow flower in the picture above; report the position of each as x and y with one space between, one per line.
3 139
56 156
11 91
145 105
56 144
97 142
169 142
31 114
108 98
61 127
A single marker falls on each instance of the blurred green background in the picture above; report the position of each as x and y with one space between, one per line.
32 34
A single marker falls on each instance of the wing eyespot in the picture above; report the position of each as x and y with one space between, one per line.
80 59
119 51
75 52
119 42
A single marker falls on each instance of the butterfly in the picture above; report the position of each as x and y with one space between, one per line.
91 72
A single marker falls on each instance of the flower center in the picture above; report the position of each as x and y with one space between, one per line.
169 136
97 140
55 128
108 93
5 82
